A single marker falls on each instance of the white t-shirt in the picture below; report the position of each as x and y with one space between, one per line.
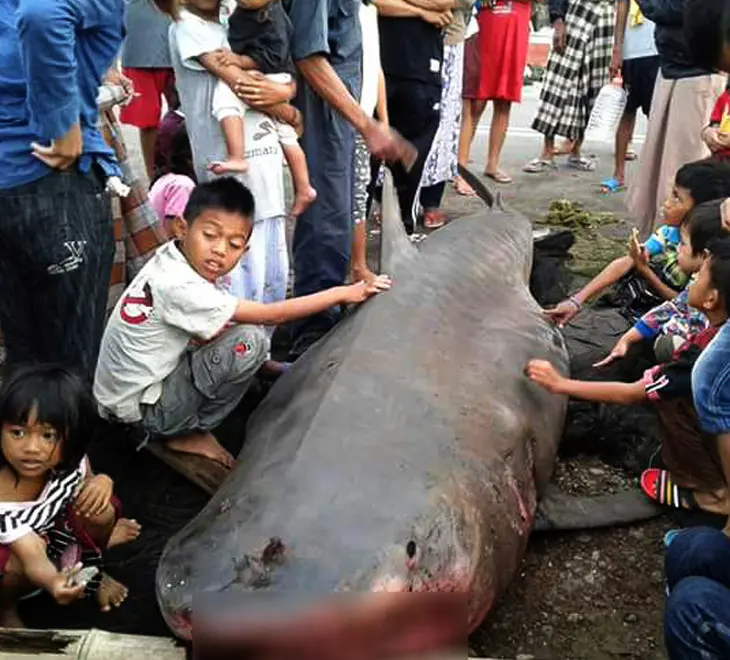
639 39
166 306
370 58
190 37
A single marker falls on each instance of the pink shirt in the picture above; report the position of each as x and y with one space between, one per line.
169 195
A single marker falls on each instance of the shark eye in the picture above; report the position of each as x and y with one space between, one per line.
411 549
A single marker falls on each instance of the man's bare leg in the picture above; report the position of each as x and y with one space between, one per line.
232 128
304 193
202 444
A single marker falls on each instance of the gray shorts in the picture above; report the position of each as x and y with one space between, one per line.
208 384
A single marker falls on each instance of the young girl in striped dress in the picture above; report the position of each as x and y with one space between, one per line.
55 514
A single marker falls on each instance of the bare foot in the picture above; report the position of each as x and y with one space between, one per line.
236 165
363 274
302 201
9 618
202 444
111 593
124 531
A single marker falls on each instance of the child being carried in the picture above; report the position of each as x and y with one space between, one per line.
259 34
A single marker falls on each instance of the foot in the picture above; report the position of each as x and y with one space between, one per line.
111 593
229 166
302 201
202 444
124 531
463 188
498 176
363 274
434 218
564 149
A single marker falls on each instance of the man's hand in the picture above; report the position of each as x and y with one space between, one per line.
257 90
614 69
440 19
559 36
545 375
117 78
386 144
357 293
62 153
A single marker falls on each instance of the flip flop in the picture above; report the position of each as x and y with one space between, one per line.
582 164
463 188
659 486
498 177
539 166
630 155
611 185
434 219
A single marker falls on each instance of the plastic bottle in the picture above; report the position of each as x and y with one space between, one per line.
606 114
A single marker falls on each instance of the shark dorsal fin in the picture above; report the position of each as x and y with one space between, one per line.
395 245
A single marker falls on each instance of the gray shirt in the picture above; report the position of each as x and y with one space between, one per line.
327 27
145 45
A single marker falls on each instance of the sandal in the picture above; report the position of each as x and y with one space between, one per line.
434 218
612 185
581 164
630 155
498 177
539 166
659 486
463 188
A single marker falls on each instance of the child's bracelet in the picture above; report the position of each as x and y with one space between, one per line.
575 302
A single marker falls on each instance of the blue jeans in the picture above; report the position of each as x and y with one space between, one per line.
323 233
711 384
697 617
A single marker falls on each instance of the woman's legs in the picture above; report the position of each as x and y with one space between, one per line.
472 110
498 132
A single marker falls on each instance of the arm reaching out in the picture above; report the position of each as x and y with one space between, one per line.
248 312
546 376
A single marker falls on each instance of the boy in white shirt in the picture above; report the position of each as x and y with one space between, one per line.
178 353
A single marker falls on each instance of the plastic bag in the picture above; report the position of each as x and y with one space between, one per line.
606 113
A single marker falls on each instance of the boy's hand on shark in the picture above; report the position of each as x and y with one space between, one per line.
357 293
545 375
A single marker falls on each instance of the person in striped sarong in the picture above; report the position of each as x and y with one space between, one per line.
138 230
578 67
56 516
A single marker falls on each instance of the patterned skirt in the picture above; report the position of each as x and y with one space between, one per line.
442 159
574 78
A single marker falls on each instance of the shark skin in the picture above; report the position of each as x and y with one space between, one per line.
405 452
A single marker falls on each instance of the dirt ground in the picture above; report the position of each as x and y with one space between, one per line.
593 594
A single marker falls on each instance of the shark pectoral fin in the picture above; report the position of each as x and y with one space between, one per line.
395 245
484 194
561 511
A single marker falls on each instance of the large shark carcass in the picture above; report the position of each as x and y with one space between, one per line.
407 448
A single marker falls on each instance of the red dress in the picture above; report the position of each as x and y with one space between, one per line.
504 33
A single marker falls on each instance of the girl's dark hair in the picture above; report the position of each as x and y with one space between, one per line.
705 180
704 225
60 398
719 250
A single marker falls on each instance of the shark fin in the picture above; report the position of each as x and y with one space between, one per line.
484 194
395 245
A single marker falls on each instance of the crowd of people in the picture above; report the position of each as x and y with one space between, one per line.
147 300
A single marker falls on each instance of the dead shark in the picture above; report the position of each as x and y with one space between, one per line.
406 451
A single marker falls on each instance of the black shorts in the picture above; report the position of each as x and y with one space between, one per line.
639 77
